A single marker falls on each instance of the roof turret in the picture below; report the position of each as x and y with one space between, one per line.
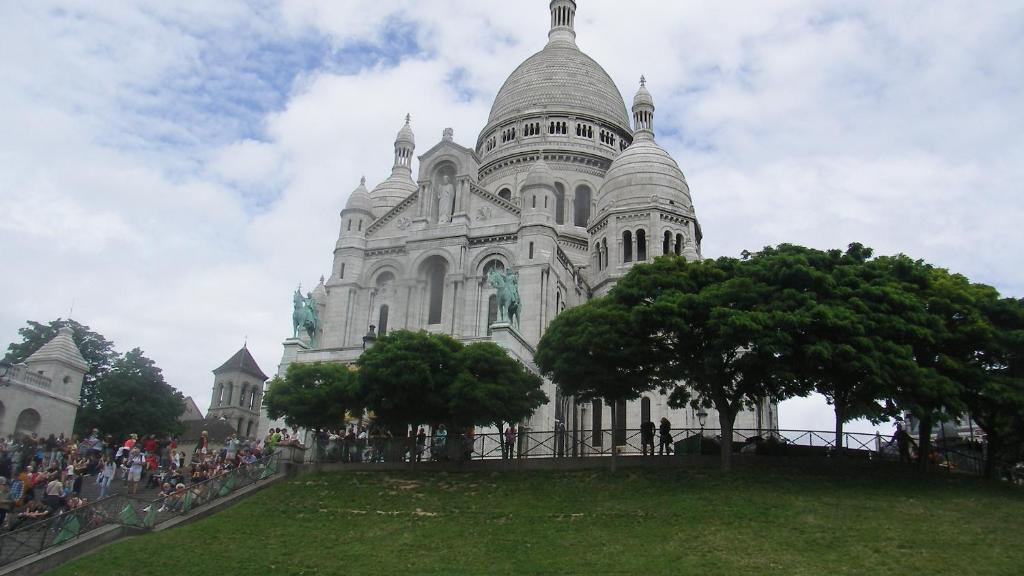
360 198
399 185
61 348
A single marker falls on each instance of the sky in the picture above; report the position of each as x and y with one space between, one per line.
172 170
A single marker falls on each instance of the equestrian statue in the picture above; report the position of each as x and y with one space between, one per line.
305 316
509 304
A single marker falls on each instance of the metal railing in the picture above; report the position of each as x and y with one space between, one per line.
957 456
63 524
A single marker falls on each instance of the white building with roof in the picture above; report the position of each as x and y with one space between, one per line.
41 396
561 186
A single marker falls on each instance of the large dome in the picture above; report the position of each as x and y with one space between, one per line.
560 78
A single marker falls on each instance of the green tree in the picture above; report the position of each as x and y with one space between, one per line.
97 351
597 350
995 398
843 347
719 331
942 324
134 398
314 396
491 388
404 377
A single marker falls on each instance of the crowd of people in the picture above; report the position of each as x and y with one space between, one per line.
44 477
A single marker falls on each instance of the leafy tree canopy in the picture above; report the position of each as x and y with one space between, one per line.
492 387
403 377
134 398
314 396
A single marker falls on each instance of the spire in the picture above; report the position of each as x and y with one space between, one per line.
563 16
405 144
643 112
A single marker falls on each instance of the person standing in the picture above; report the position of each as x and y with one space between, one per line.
510 442
108 468
135 463
665 437
421 443
647 437
6 502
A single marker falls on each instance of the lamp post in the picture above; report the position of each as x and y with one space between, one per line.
702 418
5 369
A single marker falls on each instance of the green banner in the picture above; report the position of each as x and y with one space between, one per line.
228 485
129 517
68 531
150 520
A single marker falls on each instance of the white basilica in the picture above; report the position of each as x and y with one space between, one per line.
560 186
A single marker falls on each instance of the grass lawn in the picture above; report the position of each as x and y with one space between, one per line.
664 521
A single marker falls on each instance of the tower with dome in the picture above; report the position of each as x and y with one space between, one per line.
563 185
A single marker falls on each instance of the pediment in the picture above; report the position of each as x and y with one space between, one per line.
396 221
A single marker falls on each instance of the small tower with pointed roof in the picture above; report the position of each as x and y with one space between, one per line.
238 394
41 395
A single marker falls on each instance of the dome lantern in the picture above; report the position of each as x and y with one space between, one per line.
643 112
405 144
563 15
399 185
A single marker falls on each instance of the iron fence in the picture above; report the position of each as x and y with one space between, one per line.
63 524
958 456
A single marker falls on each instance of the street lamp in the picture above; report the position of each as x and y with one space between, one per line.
702 418
5 369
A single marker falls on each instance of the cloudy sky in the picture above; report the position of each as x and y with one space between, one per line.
174 169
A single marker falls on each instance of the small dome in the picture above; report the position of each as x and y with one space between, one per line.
643 97
405 135
643 171
391 192
540 174
360 198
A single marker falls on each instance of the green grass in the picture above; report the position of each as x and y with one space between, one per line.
669 521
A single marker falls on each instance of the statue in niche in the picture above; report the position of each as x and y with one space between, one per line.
446 196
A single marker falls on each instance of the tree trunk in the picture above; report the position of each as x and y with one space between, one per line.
993 450
924 448
615 449
726 418
840 420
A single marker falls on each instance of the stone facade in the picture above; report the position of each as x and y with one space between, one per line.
41 396
559 187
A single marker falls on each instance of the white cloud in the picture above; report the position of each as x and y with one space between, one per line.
176 169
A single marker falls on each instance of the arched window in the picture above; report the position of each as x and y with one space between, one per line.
382 321
435 268
341 273
627 246
604 251
241 397
558 301
641 245
596 422
597 252
248 429
645 410
582 208
666 246
679 244
559 203
505 193
492 310
384 279
28 422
